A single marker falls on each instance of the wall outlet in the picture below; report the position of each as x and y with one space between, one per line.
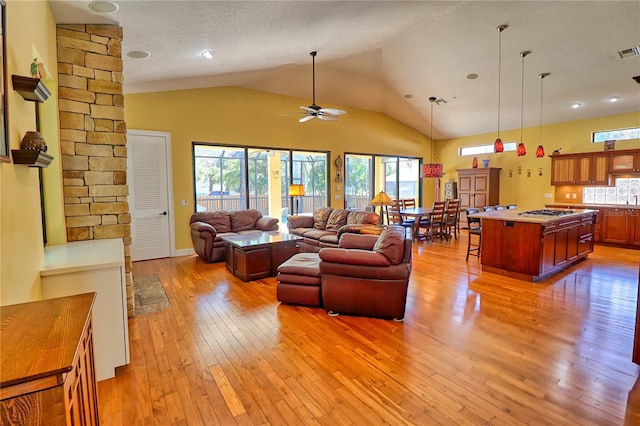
338 197
184 202
574 196
548 195
567 196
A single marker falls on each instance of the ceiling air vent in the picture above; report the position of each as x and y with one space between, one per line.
629 53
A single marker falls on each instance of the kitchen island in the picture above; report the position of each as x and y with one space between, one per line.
536 244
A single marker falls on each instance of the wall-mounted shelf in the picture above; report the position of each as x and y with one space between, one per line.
31 157
31 89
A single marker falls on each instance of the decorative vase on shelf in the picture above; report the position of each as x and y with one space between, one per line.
474 163
485 163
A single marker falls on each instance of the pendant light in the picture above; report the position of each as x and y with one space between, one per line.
432 170
498 146
540 150
521 148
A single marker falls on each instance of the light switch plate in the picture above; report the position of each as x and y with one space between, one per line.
184 202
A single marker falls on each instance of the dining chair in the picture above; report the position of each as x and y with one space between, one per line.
394 217
434 225
475 228
452 220
409 203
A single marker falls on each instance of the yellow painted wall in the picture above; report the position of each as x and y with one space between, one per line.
529 192
30 26
239 116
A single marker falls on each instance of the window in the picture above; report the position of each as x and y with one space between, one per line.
233 177
485 149
366 175
616 135
626 191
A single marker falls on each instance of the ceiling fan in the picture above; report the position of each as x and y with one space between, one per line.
313 110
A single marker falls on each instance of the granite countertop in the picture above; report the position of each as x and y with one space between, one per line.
593 206
515 216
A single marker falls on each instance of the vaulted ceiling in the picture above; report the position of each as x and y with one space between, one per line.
391 56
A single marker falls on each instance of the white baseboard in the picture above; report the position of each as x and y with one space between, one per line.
184 252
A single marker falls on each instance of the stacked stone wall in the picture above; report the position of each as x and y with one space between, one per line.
93 136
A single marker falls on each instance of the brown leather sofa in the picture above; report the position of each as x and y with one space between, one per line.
366 275
369 282
208 227
327 224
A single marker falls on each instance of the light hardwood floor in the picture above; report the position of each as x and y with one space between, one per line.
475 348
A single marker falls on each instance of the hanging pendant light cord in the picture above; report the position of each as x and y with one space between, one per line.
500 29
431 132
542 76
523 54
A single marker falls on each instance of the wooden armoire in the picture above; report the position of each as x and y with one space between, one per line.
478 187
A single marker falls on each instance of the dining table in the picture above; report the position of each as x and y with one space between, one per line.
416 213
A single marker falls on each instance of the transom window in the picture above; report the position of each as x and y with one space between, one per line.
616 135
485 149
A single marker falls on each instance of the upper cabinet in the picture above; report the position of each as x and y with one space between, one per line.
580 169
593 168
624 162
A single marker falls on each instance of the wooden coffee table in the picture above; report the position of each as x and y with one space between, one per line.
258 255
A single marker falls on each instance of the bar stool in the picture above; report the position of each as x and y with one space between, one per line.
475 228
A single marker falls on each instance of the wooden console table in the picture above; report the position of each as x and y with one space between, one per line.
46 364
258 255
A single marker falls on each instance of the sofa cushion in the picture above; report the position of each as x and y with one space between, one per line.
221 220
337 219
354 257
244 219
330 239
361 217
307 264
390 243
320 217
265 223
316 234
358 241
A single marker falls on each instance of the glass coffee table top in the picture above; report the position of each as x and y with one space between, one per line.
259 238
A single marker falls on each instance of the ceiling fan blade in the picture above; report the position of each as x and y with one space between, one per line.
327 117
332 111
310 109
306 118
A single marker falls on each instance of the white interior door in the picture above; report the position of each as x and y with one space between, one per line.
150 201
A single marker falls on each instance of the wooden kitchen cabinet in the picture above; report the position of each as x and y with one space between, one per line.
580 169
627 161
47 374
478 188
621 225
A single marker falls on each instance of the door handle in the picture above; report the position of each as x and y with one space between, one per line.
162 214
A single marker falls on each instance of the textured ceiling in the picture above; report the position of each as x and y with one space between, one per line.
372 53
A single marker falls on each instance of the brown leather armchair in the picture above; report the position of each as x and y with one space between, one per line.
367 275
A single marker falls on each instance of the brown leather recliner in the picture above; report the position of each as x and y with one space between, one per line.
368 275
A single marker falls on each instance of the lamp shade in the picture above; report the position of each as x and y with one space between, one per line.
522 150
540 151
296 190
431 170
382 199
498 146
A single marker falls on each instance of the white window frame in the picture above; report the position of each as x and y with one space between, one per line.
484 149
615 135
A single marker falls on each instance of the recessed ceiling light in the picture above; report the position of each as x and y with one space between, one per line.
208 54
138 54
472 76
103 6
576 105
408 96
615 99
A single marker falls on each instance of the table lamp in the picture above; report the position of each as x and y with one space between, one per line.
296 190
382 200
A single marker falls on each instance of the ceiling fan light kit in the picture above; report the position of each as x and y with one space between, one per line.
316 111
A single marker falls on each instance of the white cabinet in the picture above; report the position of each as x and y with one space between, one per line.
94 266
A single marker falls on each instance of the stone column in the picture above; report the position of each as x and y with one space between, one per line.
93 136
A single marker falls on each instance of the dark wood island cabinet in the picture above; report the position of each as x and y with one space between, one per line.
532 246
